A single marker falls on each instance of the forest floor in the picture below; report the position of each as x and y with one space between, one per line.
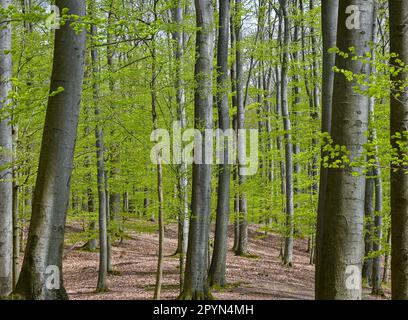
258 277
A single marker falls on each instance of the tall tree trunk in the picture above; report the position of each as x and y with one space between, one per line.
378 225
101 178
46 234
183 220
329 34
342 245
315 105
219 258
153 93
114 195
195 283
398 11
6 185
233 76
289 225
296 101
243 210
278 116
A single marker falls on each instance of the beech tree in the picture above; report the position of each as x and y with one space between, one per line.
288 249
100 168
342 230
45 242
178 36
6 185
329 35
398 11
195 281
218 262
242 245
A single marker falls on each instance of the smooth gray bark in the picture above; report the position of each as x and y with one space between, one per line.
195 283
6 184
315 106
16 220
289 224
233 76
329 34
100 168
114 195
342 244
369 228
153 94
219 258
46 234
398 11
378 206
242 248
183 221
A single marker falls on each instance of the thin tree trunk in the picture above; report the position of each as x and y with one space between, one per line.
178 37
153 93
56 157
114 195
101 178
16 222
278 116
378 224
91 243
387 258
289 225
233 76
219 258
315 106
243 210
369 228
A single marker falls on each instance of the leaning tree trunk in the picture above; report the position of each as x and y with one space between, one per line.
289 225
329 33
44 250
399 137
342 245
219 258
195 283
6 185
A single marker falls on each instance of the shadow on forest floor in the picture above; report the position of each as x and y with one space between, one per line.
260 278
